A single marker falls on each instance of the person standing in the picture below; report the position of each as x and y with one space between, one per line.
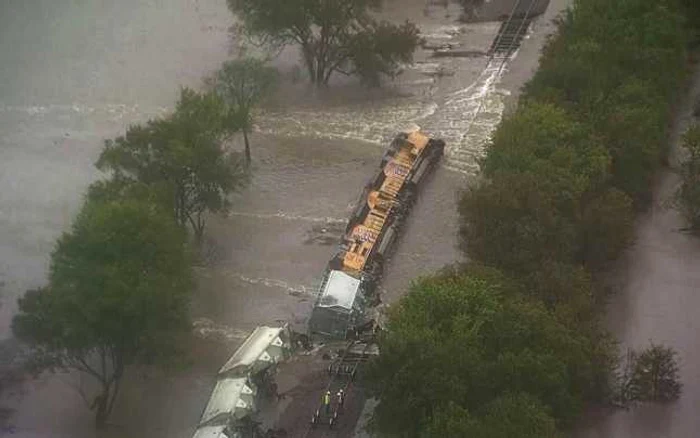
341 398
327 402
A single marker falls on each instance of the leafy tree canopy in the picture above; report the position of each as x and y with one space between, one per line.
118 294
242 84
459 341
334 35
506 416
513 223
182 156
687 196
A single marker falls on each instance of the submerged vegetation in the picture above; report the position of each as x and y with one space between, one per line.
120 281
180 159
118 294
508 346
334 36
561 184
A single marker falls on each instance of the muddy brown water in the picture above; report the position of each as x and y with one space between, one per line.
658 292
75 73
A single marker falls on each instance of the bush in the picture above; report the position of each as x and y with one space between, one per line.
687 197
466 342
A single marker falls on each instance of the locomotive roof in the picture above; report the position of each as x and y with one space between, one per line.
339 291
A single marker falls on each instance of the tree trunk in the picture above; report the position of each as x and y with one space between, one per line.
308 56
197 227
247 147
101 405
320 72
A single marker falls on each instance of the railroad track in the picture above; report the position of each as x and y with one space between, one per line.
512 31
326 425
507 41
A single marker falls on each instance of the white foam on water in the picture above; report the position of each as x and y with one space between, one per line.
375 125
207 329
116 111
468 117
281 284
465 119
288 216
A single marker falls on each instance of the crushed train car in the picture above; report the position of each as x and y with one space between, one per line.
234 398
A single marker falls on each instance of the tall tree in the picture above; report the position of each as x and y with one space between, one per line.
118 294
334 35
183 156
466 339
242 84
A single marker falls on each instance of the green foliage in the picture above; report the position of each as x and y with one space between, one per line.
650 376
380 50
458 342
655 375
563 172
512 223
181 157
334 35
687 197
118 293
505 417
607 227
601 84
119 188
561 181
692 15
242 84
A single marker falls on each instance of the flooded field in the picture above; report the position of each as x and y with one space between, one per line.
656 301
78 74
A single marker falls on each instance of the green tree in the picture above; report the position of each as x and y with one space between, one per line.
242 84
687 197
182 158
650 376
513 223
119 188
334 35
464 340
118 294
607 227
507 416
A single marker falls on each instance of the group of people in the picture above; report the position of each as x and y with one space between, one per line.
340 397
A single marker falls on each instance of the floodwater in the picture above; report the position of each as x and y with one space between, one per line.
657 301
75 73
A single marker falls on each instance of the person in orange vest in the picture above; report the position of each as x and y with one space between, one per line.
327 401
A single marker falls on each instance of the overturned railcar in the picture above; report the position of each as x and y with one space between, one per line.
350 281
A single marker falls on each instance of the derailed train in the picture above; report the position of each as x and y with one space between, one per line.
350 280
348 287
